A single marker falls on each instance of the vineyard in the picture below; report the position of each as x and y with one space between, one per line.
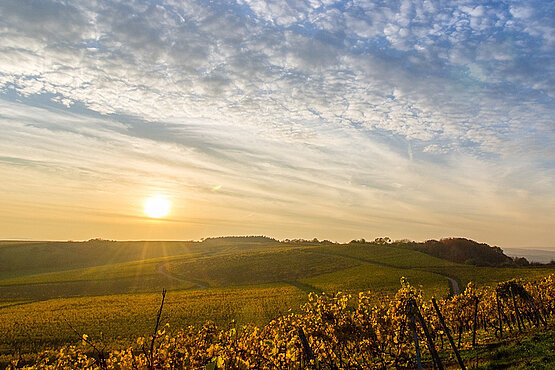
336 331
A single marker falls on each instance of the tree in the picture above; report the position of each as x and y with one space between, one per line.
382 241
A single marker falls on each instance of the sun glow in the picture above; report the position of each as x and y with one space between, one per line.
157 207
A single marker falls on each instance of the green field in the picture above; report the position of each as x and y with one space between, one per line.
111 290
118 319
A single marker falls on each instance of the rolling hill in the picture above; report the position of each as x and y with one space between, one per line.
112 287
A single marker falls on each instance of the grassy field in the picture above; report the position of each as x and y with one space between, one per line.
259 268
534 351
381 280
384 255
488 275
119 319
27 258
111 290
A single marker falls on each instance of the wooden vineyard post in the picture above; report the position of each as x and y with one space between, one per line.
536 312
539 311
542 320
415 337
306 346
431 345
448 333
517 312
150 357
474 322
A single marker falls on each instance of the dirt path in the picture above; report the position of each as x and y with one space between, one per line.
162 269
455 289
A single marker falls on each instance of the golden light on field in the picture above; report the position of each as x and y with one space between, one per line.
157 207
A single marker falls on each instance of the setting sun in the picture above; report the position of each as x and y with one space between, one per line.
157 207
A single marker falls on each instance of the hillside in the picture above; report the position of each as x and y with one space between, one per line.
461 250
335 332
110 287
24 258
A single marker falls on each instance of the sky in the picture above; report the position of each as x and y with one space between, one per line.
288 118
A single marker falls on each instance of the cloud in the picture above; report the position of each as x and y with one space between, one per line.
258 63
289 91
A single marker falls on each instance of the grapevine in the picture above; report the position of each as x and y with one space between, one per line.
333 333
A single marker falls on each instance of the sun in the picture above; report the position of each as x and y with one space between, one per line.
157 207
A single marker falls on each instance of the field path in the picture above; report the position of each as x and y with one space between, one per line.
455 289
162 269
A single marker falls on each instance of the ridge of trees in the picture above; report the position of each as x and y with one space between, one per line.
459 250
462 250
240 239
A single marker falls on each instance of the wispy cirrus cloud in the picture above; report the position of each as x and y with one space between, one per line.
434 111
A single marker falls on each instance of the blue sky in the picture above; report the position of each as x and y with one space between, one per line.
339 120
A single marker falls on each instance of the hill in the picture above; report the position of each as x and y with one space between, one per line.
25 258
338 332
461 250
103 286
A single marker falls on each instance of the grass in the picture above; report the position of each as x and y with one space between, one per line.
37 257
130 277
14 302
534 351
183 272
259 268
113 287
488 275
381 280
119 319
410 260
26 258
385 255
110 271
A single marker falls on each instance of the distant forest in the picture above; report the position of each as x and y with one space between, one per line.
466 251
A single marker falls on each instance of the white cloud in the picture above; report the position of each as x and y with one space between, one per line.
461 81
179 62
